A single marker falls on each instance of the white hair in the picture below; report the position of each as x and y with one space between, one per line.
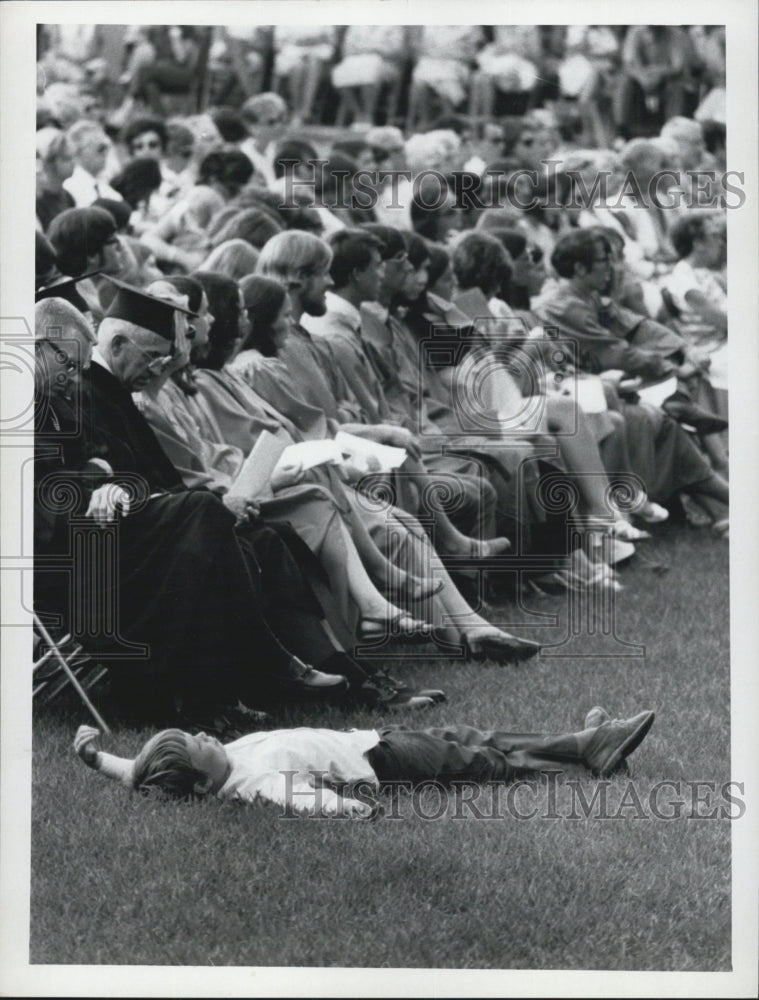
53 317
80 130
428 150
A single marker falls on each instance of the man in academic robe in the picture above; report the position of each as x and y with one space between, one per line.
163 566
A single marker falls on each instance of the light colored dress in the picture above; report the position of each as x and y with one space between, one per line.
697 331
190 434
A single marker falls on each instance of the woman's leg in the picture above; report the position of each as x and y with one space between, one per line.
578 449
340 557
453 618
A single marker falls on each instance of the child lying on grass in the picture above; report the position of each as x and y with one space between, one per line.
339 772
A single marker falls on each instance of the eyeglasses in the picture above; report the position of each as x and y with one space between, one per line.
61 357
156 365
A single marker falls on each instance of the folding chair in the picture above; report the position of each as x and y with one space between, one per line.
62 662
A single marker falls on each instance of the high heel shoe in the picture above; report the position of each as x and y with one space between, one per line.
500 647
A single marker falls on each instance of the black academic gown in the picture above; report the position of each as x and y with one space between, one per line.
176 593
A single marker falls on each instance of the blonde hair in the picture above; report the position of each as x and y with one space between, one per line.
164 763
235 259
291 256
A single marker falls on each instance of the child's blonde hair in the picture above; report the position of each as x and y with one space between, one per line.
164 763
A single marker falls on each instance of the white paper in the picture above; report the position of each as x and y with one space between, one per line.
309 454
588 390
656 394
254 477
360 450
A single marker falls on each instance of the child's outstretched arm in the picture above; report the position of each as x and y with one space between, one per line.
118 768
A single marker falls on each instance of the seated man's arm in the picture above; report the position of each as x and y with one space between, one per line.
597 348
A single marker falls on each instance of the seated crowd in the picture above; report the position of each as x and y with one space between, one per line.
431 388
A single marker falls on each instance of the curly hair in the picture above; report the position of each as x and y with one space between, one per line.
140 126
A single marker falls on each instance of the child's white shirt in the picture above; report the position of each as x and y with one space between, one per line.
297 769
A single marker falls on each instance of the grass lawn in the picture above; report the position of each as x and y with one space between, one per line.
120 879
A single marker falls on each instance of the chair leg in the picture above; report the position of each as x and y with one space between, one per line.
70 674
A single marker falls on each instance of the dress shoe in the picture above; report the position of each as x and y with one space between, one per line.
379 693
436 694
228 723
500 647
302 679
701 420
614 740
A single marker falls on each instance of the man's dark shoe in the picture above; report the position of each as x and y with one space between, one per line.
615 740
500 648
302 680
384 694
436 694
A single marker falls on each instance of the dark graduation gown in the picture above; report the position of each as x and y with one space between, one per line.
170 589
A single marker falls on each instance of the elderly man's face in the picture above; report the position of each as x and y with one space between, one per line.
137 357
59 361
93 151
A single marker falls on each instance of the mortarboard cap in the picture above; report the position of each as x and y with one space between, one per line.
65 288
147 311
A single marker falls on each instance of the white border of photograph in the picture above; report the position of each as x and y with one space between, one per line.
17 116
